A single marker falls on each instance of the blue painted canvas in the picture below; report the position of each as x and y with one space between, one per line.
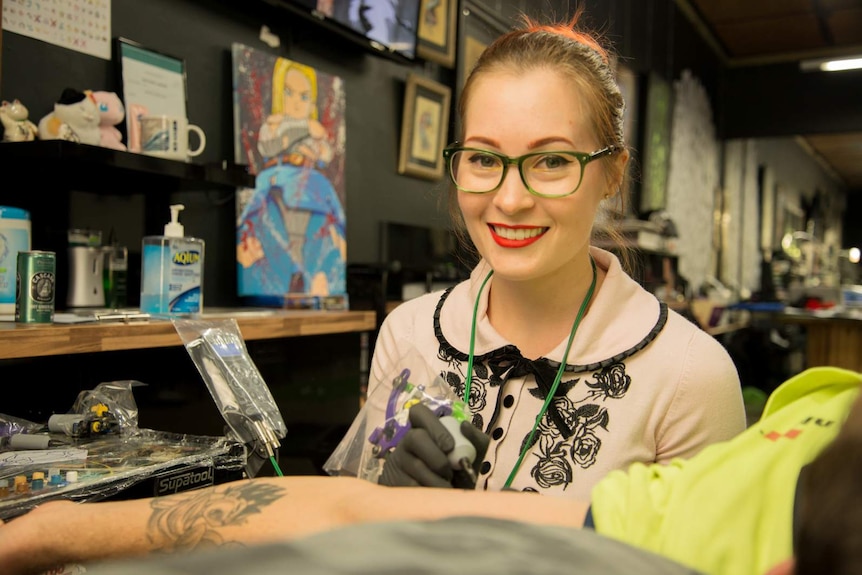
290 131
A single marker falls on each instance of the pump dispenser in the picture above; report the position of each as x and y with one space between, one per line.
172 270
174 229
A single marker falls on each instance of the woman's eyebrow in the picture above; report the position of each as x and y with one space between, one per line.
549 140
477 140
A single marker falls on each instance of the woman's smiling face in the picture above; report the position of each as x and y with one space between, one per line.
523 236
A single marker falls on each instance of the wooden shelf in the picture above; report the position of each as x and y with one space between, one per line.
74 162
36 340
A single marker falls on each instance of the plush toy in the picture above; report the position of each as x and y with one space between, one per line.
111 113
16 126
75 118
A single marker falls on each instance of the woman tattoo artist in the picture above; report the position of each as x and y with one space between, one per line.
569 367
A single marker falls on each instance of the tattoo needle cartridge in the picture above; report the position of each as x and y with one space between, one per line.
464 453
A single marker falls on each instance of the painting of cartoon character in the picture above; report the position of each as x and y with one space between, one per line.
290 130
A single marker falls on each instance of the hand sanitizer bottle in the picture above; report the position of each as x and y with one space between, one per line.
172 271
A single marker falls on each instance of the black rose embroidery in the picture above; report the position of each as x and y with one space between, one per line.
611 382
587 417
585 449
583 445
553 467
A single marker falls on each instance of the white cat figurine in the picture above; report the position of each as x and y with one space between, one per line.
75 118
16 126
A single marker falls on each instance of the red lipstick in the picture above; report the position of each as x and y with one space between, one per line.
513 243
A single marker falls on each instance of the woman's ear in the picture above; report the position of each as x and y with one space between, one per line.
623 160
623 156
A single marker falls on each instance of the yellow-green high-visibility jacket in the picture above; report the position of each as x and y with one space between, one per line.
729 509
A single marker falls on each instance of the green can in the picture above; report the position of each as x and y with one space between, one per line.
34 294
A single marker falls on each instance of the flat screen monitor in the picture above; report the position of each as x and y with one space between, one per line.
387 25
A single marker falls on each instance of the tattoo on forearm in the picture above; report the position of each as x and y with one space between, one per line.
195 520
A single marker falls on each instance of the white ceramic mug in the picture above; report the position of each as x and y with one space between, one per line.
168 137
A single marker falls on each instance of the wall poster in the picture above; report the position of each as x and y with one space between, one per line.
80 25
289 128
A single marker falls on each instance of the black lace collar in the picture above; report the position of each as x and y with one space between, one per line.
512 353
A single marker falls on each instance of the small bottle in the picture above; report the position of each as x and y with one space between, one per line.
38 480
172 271
21 484
115 275
54 477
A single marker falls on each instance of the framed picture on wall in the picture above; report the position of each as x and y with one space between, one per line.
436 31
478 28
424 128
656 144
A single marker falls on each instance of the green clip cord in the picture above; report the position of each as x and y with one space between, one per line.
275 466
469 379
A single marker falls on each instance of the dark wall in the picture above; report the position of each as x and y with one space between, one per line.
851 230
650 35
781 100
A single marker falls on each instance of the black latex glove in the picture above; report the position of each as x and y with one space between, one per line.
420 459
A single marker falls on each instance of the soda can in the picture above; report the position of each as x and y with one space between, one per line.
34 294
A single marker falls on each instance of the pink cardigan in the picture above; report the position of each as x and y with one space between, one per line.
642 383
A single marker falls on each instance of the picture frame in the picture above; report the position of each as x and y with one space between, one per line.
655 162
435 33
424 127
478 27
152 83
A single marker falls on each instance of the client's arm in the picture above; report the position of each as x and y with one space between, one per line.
245 512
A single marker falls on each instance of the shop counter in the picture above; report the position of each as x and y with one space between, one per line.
833 338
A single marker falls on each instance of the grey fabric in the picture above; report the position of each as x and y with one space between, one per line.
474 545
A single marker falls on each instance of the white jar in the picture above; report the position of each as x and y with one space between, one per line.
14 238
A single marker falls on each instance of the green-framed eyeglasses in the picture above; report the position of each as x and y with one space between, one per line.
547 174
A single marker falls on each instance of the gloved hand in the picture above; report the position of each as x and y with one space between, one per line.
420 459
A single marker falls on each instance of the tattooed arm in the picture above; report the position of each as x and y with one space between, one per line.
245 512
